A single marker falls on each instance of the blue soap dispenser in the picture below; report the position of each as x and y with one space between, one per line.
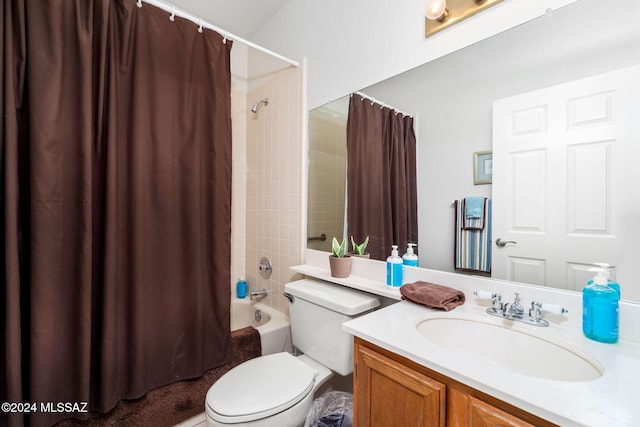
394 268
410 258
600 309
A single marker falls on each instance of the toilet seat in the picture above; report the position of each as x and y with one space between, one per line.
259 388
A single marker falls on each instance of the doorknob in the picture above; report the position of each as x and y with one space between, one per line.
501 243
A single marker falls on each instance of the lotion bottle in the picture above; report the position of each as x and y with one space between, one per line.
394 268
410 258
600 309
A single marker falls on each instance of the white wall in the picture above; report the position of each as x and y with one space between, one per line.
353 44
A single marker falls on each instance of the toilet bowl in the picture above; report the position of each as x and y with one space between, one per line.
273 390
278 389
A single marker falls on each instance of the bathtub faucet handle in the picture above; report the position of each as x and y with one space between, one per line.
264 267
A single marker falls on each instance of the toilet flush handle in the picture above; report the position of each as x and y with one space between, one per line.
290 297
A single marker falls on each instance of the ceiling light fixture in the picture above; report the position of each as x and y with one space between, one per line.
441 14
436 10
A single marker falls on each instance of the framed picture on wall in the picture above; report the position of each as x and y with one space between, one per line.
482 167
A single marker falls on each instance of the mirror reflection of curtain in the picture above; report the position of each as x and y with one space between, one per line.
381 176
116 195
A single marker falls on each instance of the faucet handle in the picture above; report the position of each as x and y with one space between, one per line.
496 302
535 312
496 299
553 308
484 294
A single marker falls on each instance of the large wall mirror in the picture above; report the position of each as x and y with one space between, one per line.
452 101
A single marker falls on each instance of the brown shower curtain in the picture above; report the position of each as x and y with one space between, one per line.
381 177
115 182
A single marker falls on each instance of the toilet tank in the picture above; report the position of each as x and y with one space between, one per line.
317 311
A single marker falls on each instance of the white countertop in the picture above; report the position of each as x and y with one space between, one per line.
611 400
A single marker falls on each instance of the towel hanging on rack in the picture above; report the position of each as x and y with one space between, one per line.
474 207
474 213
472 244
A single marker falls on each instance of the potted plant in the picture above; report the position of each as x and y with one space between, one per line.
339 260
359 250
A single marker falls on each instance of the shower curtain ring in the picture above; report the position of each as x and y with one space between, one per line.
173 14
200 26
224 40
139 4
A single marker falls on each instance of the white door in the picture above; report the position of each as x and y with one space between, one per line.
566 181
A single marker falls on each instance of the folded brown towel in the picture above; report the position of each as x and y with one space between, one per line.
432 295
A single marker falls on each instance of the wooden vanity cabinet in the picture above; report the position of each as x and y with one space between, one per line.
392 391
388 393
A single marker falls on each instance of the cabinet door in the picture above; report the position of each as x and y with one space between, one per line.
390 394
468 411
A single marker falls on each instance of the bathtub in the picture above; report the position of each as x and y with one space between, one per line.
273 326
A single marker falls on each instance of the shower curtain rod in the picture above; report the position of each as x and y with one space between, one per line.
174 11
376 101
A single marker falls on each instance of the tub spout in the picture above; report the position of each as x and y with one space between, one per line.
258 295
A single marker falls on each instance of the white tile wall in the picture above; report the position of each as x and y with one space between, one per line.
268 183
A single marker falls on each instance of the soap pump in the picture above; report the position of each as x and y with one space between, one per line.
394 268
410 258
600 309
611 283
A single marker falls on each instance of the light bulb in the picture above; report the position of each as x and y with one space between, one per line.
435 8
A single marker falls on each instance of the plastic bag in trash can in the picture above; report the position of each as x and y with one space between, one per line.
332 409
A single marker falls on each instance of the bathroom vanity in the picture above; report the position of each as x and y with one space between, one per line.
392 390
419 366
513 375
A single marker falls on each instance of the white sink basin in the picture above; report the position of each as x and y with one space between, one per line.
508 347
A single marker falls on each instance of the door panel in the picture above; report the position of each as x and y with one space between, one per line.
565 183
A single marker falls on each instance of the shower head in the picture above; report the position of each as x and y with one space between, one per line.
264 101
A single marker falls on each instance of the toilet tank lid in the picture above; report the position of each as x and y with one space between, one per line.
332 296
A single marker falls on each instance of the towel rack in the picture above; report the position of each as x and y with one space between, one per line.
321 237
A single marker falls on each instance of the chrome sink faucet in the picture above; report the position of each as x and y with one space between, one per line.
515 310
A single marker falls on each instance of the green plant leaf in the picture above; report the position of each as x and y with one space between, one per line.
339 249
359 249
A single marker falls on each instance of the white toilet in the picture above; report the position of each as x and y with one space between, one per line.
278 389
